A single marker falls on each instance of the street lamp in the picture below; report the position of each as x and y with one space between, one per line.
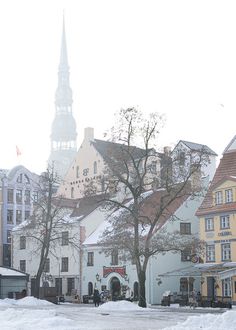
98 278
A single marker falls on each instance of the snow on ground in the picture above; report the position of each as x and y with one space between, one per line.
122 305
208 322
34 314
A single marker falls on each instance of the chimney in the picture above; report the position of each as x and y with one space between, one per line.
88 134
167 150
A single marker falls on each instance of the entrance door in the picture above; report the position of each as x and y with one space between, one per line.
211 287
115 288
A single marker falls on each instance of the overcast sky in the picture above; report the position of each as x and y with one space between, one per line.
174 57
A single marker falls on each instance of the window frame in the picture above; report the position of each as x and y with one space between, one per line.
226 252
209 224
22 242
221 221
64 264
64 238
210 253
23 265
226 287
228 195
185 228
114 258
90 259
10 217
218 197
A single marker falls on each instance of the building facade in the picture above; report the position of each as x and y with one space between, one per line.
217 216
18 193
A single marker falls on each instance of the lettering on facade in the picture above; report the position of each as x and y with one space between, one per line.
119 270
225 233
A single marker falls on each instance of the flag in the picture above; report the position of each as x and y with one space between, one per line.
18 152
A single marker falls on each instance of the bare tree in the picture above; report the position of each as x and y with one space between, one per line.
136 225
44 228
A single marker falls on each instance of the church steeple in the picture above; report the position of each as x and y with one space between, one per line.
63 136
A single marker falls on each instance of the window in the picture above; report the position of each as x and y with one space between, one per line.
218 197
114 257
181 156
10 216
9 236
18 216
224 222
65 238
23 265
70 285
209 224
72 192
225 252
22 242
77 171
27 196
90 261
226 286
210 253
10 194
27 180
228 196
153 167
95 168
18 196
186 254
185 228
19 179
47 266
64 264
35 196
27 215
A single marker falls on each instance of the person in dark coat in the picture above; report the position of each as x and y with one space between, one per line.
96 297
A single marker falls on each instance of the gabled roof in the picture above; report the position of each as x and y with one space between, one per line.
226 168
198 147
109 149
6 271
149 206
231 146
87 205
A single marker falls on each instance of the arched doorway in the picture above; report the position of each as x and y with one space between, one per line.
90 288
115 288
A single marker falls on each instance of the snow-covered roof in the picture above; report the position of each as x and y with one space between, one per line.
4 271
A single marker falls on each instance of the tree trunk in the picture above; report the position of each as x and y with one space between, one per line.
142 292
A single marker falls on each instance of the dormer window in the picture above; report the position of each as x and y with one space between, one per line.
218 197
228 196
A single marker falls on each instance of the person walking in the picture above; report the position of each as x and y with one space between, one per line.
96 297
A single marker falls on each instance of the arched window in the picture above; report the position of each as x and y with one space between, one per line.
90 288
95 168
136 290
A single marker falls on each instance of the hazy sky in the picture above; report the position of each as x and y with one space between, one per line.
175 57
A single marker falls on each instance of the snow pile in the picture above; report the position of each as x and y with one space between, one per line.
121 305
27 301
37 319
223 321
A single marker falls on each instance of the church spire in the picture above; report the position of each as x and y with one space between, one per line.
63 98
63 134
63 59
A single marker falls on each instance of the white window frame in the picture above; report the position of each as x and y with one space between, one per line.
224 222
209 224
225 252
228 196
227 287
210 252
219 197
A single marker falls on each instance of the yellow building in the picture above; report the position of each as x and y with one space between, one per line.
217 216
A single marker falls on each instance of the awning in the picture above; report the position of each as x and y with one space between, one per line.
190 271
